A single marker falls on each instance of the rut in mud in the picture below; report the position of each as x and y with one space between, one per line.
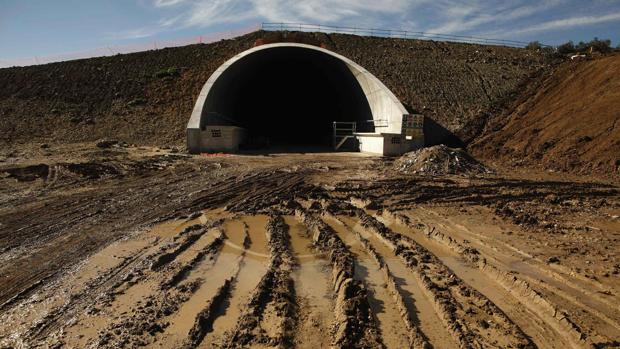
276 258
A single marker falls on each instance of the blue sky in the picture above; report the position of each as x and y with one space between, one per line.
48 27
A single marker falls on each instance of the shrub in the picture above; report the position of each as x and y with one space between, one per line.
602 46
168 72
566 48
136 101
598 45
534 46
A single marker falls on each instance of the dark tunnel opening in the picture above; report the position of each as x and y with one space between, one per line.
288 96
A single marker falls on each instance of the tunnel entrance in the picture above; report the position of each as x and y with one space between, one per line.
288 97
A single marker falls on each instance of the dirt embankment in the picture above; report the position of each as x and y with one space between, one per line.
147 97
570 122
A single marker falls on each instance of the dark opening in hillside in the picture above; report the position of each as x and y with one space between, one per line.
289 96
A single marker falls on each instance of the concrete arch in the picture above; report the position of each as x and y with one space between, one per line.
385 108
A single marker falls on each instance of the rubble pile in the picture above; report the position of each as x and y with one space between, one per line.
439 160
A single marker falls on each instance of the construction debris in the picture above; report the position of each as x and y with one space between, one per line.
439 160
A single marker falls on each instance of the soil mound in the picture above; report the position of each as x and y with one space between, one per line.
570 122
146 98
439 160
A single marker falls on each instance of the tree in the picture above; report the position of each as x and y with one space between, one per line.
566 48
602 46
582 46
534 46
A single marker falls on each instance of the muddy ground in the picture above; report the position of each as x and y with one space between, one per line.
128 246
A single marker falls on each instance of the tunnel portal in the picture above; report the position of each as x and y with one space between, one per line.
287 96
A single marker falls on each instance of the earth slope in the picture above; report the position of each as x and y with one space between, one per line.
569 123
146 98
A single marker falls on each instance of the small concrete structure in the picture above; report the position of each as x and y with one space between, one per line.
210 130
387 144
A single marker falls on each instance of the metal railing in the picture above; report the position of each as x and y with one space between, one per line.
389 33
213 37
343 131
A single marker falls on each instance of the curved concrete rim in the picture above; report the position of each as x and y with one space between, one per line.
386 109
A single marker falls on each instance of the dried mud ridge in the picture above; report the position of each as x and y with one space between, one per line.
268 258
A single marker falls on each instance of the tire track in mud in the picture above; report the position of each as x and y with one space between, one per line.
419 309
150 312
148 293
540 332
550 326
219 317
568 292
394 321
312 284
354 323
590 289
269 319
471 317
196 315
97 285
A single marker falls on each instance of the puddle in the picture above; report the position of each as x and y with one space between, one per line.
252 268
257 226
313 287
214 275
169 229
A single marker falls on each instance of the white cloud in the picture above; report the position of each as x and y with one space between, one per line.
459 17
166 3
491 17
209 12
571 22
148 31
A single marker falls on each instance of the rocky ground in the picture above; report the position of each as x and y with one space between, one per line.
116 245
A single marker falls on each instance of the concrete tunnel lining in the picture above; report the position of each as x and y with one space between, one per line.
383 107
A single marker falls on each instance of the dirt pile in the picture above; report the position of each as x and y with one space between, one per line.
439 160
146 98
568 123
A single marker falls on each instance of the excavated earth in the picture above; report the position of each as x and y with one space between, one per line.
122 246
568 121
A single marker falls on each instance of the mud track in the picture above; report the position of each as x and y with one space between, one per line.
332 250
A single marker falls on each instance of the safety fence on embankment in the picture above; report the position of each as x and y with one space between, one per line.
390 33
266 26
